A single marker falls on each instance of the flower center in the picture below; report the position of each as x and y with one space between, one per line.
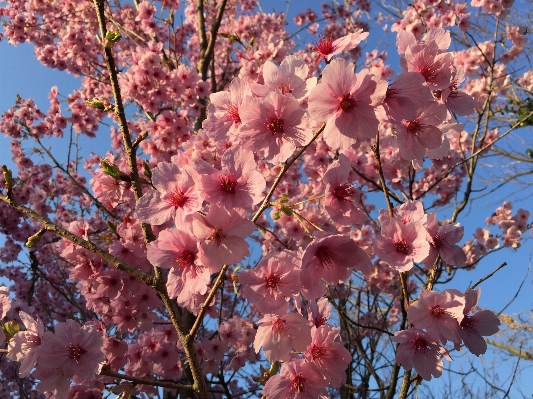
75 352
177 199
468 323
420 345
324 256
279 326
229 183
437 312
298 383
414 127
217 235
439 241
275 126
233 113
185 259
402 247
325 45
343 192
272 281
346 103
317 351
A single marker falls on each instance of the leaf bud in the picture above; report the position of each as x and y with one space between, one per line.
112 37
34 239
11 328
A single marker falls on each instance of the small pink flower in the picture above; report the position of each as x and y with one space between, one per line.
238 185
179 251
420 350
275 124
318 312
331 259
342 200
289 78
402 244
443 243
474 328
297 380
176 196
224 110
329 354
23 346
327 47
439 313
347 102
273 280
278 335
5 302
421 133
73 348
222 234
406 95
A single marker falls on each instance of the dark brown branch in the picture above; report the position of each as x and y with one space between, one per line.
145 381
88 245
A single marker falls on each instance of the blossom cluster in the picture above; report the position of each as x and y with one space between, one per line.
266 128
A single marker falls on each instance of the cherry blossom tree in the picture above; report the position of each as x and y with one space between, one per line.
273 214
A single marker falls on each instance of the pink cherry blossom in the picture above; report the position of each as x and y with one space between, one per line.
327 47
420 350
275 124
74 348
289 78
319 311
475 327
238 185
342 200
439 313
5 301
405 96
23 346
297 380
225 107
177 195
178 251
427 57
271 282
421 133
402 244
329 354
444 239
278 335
222 233
347 102
331 259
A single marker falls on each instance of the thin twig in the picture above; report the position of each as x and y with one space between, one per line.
487 276
145 381
266 202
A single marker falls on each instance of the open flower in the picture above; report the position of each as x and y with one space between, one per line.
73 348
327 47
401 244
278 335
420 350
297 380
475 327
275 124
273 280
176 196
439 313
348 102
